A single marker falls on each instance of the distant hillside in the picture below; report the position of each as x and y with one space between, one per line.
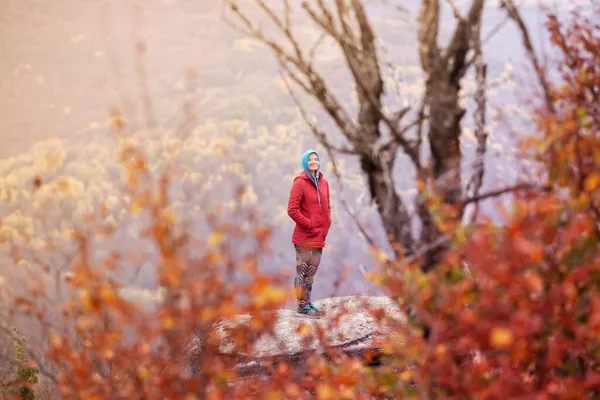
65 63
60 73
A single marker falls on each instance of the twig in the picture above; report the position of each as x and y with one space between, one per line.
356 56
480 131
455 10
488 37
514 14
330 149
140 50
321 137
500 192
313 50
315 84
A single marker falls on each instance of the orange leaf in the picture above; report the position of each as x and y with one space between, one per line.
501 338
325 392
168 323
591 182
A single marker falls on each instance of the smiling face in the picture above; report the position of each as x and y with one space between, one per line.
313 163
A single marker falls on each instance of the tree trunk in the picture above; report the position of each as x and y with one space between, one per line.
394 215
444 134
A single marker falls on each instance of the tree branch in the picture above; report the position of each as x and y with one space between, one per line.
330 149
455 10
455 54
364 65
480 131
514 14
315 84
427 35
500 192
321 137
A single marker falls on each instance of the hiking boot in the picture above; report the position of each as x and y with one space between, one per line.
307 312
315 309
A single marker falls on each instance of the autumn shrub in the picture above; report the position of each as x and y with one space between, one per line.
513 310
25 376
106 342
180 215
110 346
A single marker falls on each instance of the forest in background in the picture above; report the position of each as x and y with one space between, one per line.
239 101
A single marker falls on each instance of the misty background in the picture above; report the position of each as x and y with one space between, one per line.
65 64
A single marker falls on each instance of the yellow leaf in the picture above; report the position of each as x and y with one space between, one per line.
347 393
107 294
84 323
207 314
215 239
86 299
501 337
168 323
273 395
269 294
373 276
325 392
170 217
406 375
387 347
591 182
445 227
460 233
143 374
63 185
381 257
304 329
135 208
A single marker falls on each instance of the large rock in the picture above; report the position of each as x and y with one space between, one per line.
349 325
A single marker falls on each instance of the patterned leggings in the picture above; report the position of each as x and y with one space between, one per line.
307 264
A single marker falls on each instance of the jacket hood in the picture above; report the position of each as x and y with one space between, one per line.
305 156
307 175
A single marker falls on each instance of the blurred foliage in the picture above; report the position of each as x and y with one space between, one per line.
25 374
514 308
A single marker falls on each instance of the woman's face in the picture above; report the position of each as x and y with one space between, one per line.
313 162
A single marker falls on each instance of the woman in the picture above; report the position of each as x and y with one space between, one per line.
309 207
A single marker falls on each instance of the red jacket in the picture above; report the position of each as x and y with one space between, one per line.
312 219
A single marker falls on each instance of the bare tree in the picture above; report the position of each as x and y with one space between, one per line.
376 136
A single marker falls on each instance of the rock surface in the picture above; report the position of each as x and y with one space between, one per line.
348 325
